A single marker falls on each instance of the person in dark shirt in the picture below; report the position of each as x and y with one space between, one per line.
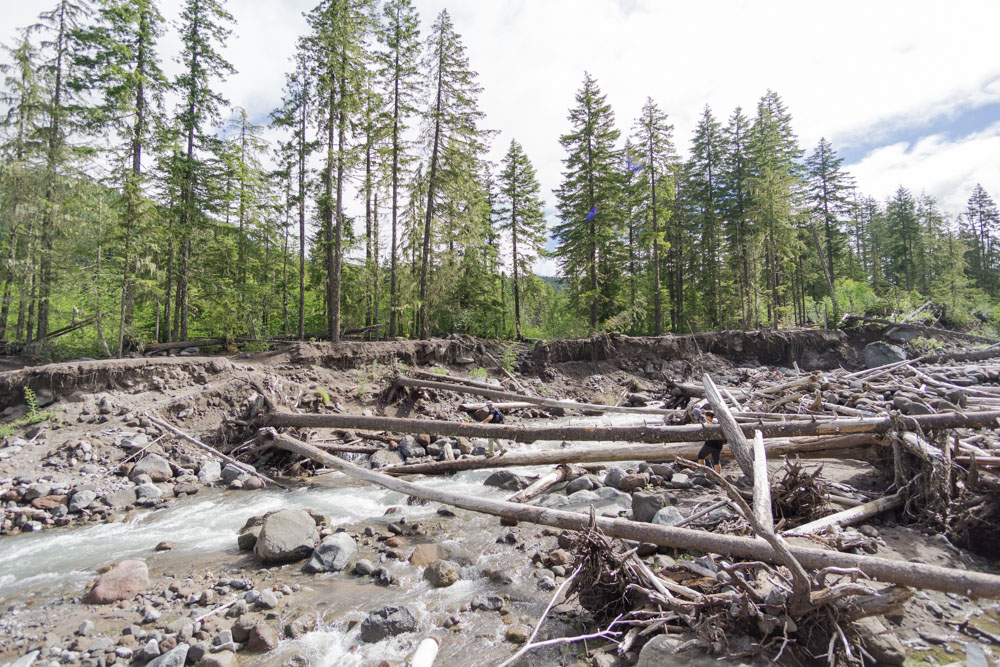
712 449
493 416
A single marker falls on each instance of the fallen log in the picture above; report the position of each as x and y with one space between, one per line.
653 434
852 446
926 329
539 486
761 485
501 395
849 516
742 449
963 582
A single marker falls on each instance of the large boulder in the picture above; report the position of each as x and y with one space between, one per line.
247 536
81 500
121 498
508 481
333 554
409 448
286 536
425 554
210 472
154 465
383 458
175 657
387 622
645 505
442 573
660 651
667 516
880 354
122 582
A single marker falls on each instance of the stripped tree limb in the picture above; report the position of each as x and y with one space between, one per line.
742 449
963 582
851 446
539 486
761 485
850 516
654 434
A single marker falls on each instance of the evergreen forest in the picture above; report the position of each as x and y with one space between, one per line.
138 208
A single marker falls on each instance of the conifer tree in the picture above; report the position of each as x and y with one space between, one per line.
22 95
119 55
707 154
520 209
904 238
590 227
204 30
450 133
984 224
653 140
742 237
399 34
829 198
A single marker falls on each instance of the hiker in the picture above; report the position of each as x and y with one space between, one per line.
712 449
493 416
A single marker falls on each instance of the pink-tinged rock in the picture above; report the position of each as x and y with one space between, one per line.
122 582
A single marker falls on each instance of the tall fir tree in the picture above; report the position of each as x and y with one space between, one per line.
984 224
590 229
741 235
829 200
904 238
652 137
119 53
204 28
708 151
521 212
451 133
399 35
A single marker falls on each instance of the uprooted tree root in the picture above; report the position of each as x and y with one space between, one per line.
726 608
799 493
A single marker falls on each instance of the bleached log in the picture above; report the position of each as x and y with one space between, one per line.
742 449
850 516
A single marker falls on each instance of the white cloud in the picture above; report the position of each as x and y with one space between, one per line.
946 169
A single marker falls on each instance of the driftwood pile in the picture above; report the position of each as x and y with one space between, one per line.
929 423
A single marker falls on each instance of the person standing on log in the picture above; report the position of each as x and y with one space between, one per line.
712 449
493 416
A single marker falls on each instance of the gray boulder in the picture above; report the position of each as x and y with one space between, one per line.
387 622
880 354
583 483
645 505
614 476
154 465
442 573
210 472
37 490
384 457
147 492
120 498
667 516
409 448
507 481
175 657
286 536
81 500
332 555
660 651
231 472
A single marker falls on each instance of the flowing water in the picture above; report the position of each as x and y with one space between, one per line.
60 562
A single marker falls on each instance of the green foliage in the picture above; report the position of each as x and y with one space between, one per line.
323 395
508 357
478 372
34 415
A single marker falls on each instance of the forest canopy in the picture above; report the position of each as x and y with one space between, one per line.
137 207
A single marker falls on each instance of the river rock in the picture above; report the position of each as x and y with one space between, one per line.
879 354
442 573
154 465
425 554
122 582
175 657
48 503
267 600
148 652
667 516
286 536
634 481
147 492
36 490
247 536
81 500
263 638
384 457
210 472
880 641
518 634
231 473
220 659
680 480
507 481
121 498
614 476
660 651
409 448
387 622
645 505
332 555
583 483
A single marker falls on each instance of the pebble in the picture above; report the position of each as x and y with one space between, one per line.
86 628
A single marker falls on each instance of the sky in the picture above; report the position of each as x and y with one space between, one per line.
907 92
